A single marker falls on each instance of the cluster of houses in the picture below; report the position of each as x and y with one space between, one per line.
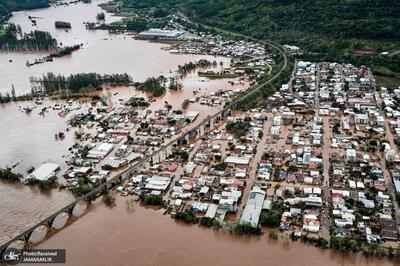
217 45
209 178
361 151
332 157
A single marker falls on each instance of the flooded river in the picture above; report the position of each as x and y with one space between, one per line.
118 235
102 52
28 140
139 236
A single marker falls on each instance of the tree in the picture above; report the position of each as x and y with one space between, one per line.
185 104
245 228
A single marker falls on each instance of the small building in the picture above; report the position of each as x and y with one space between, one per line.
277 121
361 119
190 167
351 155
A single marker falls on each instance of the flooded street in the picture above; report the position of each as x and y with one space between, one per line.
139 236
125 234
27 140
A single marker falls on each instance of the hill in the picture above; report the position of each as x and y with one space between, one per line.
354 31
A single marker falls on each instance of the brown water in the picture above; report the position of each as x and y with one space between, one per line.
116 236
28 140
102 52
139 236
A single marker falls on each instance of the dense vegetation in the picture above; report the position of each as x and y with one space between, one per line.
11 38
67 50
44 185
209 222
51 83
238 129
186 216
246 228
154 86
154 200
185 69
369 19
6 6
272 218
7 174
352 31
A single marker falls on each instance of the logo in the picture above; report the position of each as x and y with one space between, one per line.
12 256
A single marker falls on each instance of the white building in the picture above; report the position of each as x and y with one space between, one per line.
277 121
45 171
361 119
254 205
351 155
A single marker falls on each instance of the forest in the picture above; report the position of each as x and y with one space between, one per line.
7 6
12 39
76 83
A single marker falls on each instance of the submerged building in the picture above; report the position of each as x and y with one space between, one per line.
254 205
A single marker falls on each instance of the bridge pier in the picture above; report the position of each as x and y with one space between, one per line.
70 208
182 141
192 134
49 222
155 159
201 131
2 251
161 156
212 124
27 236
226 113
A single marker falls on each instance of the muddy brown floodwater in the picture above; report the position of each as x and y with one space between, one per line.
28 140
139 236
115 236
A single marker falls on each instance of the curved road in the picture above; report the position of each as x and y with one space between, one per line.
250 91
126 172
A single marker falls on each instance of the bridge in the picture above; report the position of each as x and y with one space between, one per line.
202 129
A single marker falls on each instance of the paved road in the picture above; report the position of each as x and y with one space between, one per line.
388 178
254 166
